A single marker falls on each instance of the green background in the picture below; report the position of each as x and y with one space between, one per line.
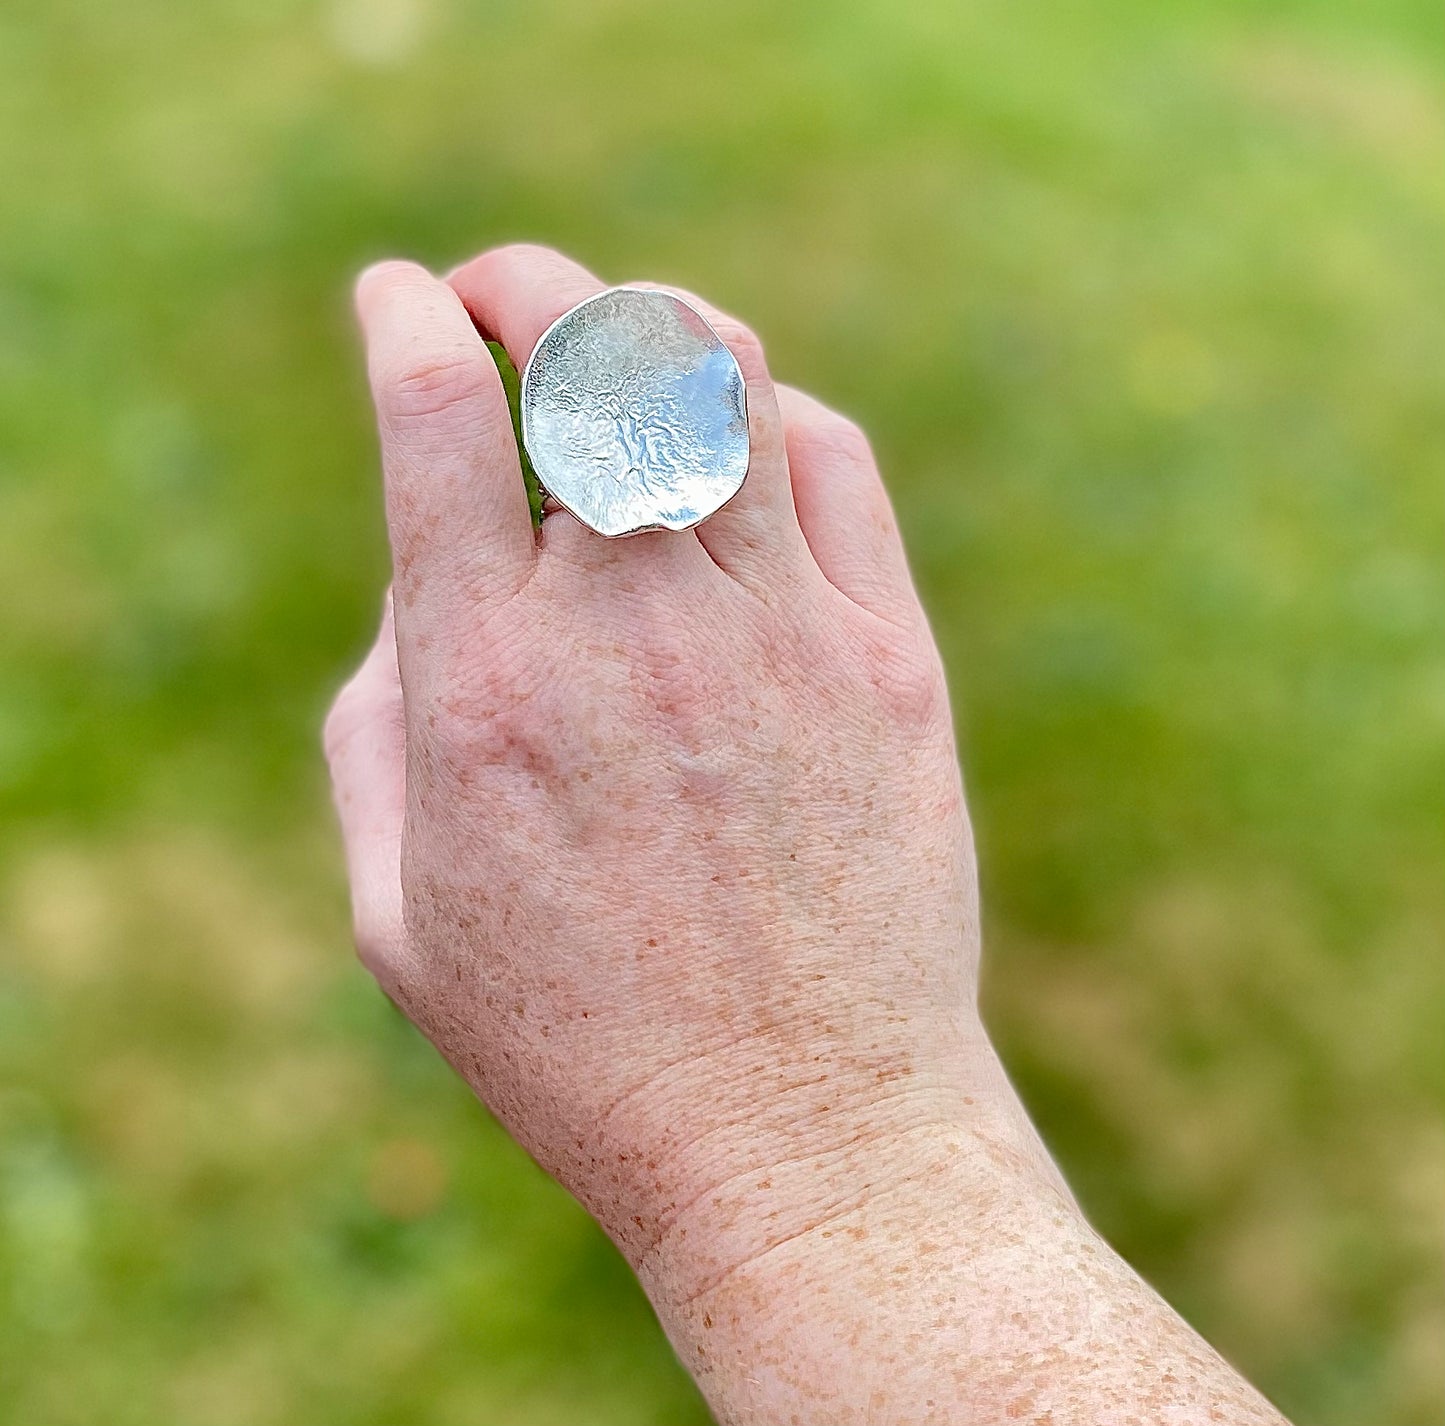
1143 304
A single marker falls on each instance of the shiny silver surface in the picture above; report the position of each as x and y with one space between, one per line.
634 413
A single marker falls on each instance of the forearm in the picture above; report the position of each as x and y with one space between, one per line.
944 1276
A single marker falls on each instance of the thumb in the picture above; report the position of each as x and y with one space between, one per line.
365 741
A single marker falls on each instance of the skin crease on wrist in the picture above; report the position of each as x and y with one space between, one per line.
662 842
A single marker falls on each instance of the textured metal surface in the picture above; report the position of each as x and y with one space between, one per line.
634 413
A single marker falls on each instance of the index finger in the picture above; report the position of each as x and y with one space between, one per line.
456 505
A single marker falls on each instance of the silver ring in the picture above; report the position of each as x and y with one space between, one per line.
634 413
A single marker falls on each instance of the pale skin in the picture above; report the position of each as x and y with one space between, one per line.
662 842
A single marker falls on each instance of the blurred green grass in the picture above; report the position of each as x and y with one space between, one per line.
1143 305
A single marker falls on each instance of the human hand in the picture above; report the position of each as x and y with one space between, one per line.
662 842
661 839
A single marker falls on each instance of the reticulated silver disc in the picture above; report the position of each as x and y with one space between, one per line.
634 413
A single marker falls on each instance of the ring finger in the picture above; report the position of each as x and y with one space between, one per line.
515 293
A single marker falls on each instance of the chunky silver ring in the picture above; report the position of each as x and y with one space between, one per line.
634 413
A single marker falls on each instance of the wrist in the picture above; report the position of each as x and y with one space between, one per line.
809 1169
818 1296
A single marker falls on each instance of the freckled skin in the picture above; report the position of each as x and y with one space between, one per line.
662 842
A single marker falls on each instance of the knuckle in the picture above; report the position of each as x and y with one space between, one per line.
528 255
666 675
498 258
745 345
389 273
431 385
463 733
838 438
503 718
481 723
533 264
906 675
850 440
